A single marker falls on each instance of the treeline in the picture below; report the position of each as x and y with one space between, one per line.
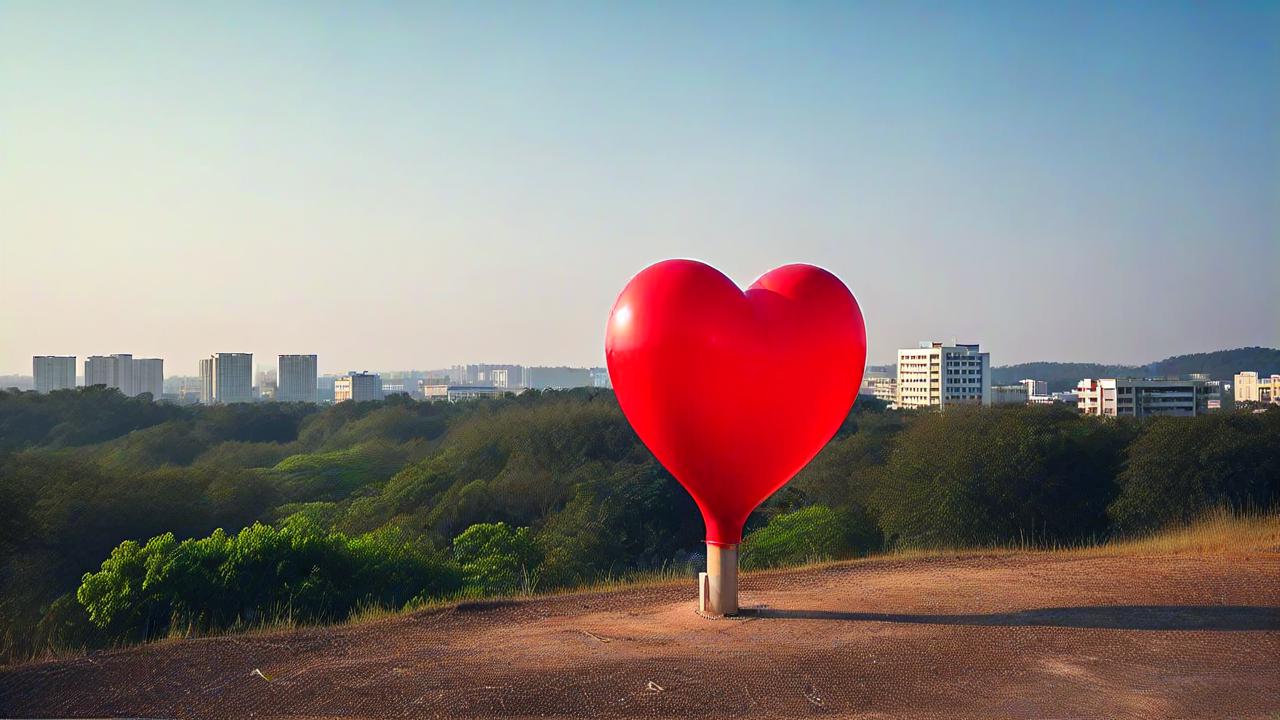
127 520
1218 365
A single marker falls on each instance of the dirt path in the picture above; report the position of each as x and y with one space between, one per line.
1027 635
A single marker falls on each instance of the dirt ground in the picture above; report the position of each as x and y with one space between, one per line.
1023 635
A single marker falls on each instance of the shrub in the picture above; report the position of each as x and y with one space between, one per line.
264 572
497 559
813 533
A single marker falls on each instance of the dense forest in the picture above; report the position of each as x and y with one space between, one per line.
1218 365
126 520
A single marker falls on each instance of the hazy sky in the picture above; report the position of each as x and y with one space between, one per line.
410 185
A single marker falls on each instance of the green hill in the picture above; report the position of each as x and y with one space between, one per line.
1218 365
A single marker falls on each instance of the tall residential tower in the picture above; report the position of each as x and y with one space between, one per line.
296 378
54 372
113 371
148 377
226 378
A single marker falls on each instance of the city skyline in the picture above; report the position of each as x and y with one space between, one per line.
419 186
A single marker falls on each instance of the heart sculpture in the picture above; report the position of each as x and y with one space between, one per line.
734 392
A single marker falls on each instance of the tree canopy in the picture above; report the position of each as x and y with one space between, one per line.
126 519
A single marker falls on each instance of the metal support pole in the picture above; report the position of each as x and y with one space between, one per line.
718 586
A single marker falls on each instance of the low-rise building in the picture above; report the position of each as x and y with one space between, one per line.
886 389
490 374
1249 387
600 378
1130 397
457 393
1068 398
557 378
880 385
1009 394
1036 388
358 387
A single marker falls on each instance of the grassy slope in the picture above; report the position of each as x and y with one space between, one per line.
1218 533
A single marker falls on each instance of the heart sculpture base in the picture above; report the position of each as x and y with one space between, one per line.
718 586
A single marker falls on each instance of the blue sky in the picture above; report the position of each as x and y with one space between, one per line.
413 185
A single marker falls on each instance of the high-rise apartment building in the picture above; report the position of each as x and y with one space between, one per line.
226 378
113 371
1129 397
296 378
206 381
939 375
357 387
148 377
54 372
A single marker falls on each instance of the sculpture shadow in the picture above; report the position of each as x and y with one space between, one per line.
1110 617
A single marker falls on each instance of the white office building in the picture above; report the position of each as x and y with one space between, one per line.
600 378
939 375
1036 388
148 377
1009 394
880 385
357 387
460 393
296 378
488 374
54 372
226 378
1129 397
113 371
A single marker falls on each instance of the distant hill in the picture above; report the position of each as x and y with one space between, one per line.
1218 365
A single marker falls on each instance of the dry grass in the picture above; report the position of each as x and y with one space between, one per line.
1221 532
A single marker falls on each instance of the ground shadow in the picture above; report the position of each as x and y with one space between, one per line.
1115 617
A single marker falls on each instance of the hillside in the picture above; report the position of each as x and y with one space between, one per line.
1151 633
1218 365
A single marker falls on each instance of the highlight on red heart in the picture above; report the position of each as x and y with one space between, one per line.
734 391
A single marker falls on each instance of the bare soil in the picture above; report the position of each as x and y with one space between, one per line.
1005 635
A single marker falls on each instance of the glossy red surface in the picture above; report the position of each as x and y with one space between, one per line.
734 392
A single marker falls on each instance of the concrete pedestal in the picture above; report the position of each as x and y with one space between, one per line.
718 586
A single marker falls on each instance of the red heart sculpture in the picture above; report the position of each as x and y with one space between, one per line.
734 391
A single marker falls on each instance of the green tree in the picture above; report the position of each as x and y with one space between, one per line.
497 558
126 593
975 476
813 533
1179 467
